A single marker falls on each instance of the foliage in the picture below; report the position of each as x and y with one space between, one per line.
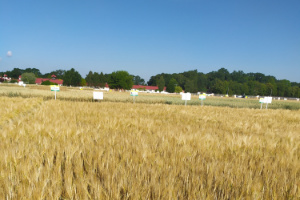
95 79
171 86
191 86
236 82
161 83
13 81
16 72
83 82
142 88
72 77
48 83
28 78
219 87
137 80
35 71
120 80
178 89
193 81
58 73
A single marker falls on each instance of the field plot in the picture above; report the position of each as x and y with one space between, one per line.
110 150
86 95
13 108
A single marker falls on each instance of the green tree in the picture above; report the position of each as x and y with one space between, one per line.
36 71
102 80
15 73
48 83
28 78
245 89
171 86
283 88
152 81
254 87
58 73
178 89
294 91
137 80
180 78
161 83
72 77
120 80
234 88
88 78
271 89
263 89
220 87
96 79
191 86
238 76
83 82
202 82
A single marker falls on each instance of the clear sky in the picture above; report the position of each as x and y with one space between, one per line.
148 37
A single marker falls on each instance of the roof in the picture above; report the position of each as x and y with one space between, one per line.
53 76
40 80
146 87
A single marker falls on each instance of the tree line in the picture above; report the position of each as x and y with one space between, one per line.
219 82
224 82
115 80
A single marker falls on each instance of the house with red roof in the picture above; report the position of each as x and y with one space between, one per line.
6 78
53 79
39 81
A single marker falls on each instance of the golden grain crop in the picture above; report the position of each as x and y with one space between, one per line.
75 94
92 150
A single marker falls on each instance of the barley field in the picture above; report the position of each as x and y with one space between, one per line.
116 150
86 95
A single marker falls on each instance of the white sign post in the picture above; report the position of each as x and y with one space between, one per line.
134 93
54 88
202 97
98 95
261 101
265 100
186 97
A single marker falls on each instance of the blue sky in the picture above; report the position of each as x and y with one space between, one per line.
147 37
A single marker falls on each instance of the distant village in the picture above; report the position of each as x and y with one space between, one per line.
39 81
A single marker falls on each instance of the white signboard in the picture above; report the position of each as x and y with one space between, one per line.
54 88
261 100
134 93
98 95
265 100
268 100
186 96
202 97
